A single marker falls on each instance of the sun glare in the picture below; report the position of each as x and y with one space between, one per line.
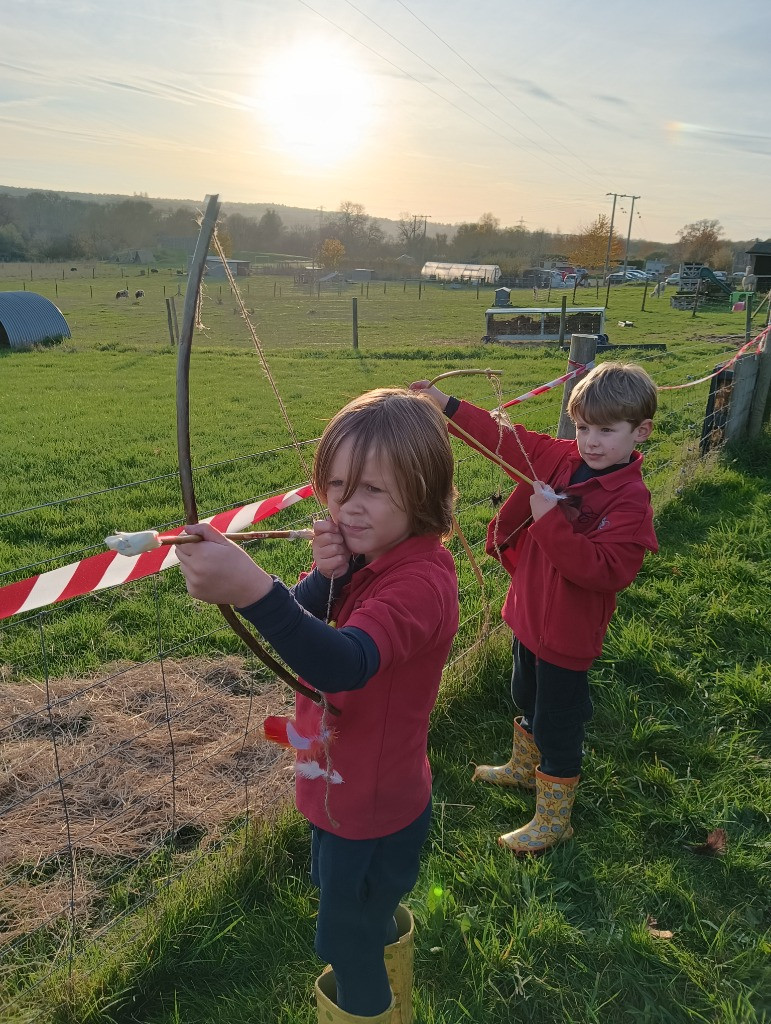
316 103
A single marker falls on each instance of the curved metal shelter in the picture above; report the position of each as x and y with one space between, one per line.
27 318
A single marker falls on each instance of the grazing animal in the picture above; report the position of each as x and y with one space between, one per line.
625 323
139 294
659 289
73 268
122 294
153 270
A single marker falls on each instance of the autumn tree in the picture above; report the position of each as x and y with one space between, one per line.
698 242
589 247
331 253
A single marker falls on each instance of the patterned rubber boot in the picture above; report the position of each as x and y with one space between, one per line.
330 1013
520 770
551 823
399 958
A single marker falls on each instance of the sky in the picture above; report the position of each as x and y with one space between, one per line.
440 109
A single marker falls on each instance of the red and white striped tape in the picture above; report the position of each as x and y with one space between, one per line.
757 341
552 384
109 569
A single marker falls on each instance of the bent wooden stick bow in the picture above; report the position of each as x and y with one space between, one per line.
192 293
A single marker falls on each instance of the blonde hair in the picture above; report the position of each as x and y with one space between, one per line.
612 392
407 429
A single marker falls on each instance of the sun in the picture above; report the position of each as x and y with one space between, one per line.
316 102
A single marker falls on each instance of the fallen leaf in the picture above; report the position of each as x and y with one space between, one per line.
657 933
715 845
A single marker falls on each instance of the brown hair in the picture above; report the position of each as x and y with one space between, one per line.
407 429
614 391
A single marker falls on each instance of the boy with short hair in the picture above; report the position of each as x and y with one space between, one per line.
569 549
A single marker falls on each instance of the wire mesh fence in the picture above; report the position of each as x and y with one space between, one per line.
131 722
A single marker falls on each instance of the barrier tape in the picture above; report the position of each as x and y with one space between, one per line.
109 568
757 341
581 368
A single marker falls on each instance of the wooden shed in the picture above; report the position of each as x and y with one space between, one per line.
27 318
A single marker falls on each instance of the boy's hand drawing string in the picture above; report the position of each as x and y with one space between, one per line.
189 319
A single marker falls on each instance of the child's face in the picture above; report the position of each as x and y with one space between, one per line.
370 521
609 444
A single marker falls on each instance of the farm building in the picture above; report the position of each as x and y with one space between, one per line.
215 269
760 261
542 323
145 256
27 318
361 274
477 273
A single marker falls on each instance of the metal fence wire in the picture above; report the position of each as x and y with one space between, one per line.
119 774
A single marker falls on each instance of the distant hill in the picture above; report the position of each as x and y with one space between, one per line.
292 216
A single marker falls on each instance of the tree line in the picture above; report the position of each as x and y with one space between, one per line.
49 226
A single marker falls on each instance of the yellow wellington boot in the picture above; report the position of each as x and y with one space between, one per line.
330 1013
399 957
551 823
520 770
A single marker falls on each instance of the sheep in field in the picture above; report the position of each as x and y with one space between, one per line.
123 294
139 294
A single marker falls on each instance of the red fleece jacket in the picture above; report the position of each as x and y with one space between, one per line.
567 567
375 755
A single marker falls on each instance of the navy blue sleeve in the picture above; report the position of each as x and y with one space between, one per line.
331 660
312 592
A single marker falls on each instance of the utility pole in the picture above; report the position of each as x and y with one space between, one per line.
629 233
618 195
610 234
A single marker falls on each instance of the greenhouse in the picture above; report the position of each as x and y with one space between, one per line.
476 273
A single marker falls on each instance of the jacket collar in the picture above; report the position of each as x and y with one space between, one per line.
612 481
408 550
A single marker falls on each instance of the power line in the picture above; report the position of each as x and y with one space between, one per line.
445 99
492 85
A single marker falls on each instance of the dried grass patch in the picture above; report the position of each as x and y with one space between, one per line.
140 763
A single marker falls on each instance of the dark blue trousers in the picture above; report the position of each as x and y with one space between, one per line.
556 706
361 883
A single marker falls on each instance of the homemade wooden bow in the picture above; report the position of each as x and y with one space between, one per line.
192 294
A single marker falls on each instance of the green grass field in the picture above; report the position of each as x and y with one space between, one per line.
680 743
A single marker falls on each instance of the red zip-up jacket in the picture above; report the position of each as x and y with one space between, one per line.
567 567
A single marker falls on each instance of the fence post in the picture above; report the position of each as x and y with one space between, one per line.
748 318
583 349
645 293
563 311
745 375
355 322
759 407
174 315
172 336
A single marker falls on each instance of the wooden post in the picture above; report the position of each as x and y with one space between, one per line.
645 292
759 407
174 315
748 318
563 312
420 289
696 298
367 290
745 374
575 285
607 296
355 322
583 349
172 336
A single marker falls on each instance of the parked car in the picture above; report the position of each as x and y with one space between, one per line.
673 279
618 276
